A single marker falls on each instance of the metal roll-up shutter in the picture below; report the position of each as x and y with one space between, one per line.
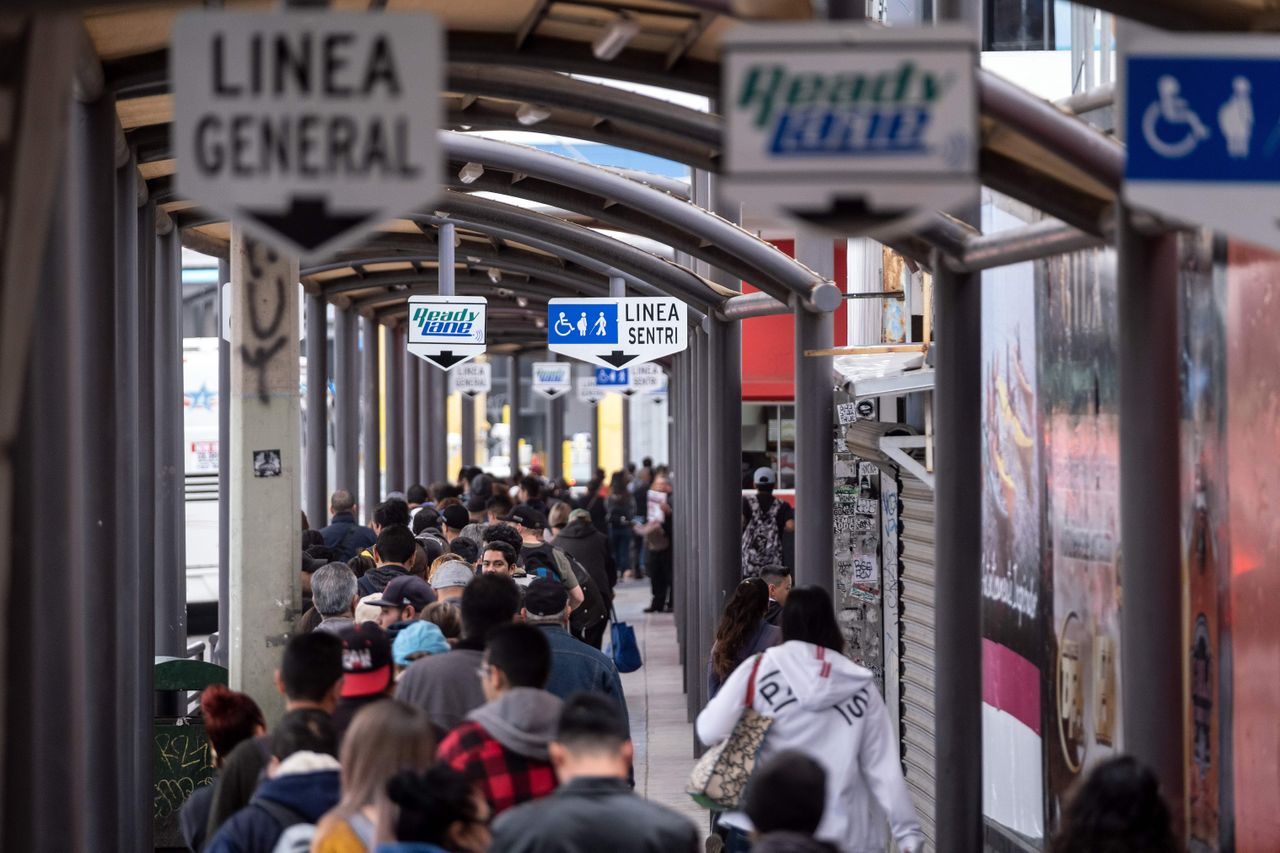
917 626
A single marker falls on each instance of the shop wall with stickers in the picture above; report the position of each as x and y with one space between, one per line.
856 557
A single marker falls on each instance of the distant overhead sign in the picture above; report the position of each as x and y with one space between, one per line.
612 378
446 330
589 391
1202 123
849 127
648 379
617 331
552 379
471 379
307 128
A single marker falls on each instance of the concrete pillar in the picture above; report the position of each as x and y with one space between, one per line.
393 361
412 427
815 391
317 438
346 398
263 464
370 429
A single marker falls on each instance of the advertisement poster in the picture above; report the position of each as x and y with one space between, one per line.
1079 393
1012 626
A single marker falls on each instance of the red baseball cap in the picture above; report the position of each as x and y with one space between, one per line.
366 660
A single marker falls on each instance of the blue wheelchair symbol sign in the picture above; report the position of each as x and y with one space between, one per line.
582 323
609 378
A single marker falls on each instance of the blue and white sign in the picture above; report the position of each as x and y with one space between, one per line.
820 116
446 330
1202 124
617 331
608 377
552 379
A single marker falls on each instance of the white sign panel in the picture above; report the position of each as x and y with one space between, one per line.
618 331
308 128
446 330
589 392
1200 119
824 117
552 379
648 379
471 379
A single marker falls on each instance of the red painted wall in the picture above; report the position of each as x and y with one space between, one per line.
768 343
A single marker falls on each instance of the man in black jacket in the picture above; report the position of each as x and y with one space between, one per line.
594 808
344 535
395 553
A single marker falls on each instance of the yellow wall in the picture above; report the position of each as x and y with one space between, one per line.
609 415
453 419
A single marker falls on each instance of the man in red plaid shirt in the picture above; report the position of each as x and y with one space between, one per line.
502 745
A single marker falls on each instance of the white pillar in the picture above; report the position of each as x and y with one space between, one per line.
265 465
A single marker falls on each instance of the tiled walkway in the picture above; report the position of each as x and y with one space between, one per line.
656 702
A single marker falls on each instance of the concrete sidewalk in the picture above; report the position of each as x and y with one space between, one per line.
656 702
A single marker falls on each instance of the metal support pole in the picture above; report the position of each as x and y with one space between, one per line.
701 602
346 402
467 410
618 288
393 365
424 427
958 549
437 426
317 437
814 403
263 464
371 432
170 561
555 433
1151 622
516 403
225 403
412 459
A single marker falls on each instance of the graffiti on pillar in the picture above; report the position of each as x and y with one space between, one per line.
266 339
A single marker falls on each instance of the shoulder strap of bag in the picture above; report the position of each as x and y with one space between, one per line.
751 682
284 816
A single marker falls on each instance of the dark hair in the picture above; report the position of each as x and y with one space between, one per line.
320 552
1117 809
342 501
503 533
808 616
647 462
311 537
445 616
487 602
742 615
521 652
392 511
499 505
311 665
361 564
589 722
532 486
424 520
229 718
417 494
433 545
618 483
430 802
773 575
508 553
466 548
787 794
304 730
395 544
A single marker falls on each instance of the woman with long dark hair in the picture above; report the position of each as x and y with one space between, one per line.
829 708
620 510
742 632
1118 809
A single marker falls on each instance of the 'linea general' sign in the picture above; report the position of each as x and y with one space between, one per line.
307 128
822 120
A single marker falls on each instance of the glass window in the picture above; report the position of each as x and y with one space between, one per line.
1017 25
769 441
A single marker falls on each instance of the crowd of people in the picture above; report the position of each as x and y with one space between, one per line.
446 690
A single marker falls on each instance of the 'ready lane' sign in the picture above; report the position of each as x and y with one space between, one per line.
446 330
307 128
552 379
617 331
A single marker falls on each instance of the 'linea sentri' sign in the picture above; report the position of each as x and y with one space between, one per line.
308 128
828 119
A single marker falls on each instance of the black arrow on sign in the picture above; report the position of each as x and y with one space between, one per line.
617 358
445 359
628 392
308 221
471 394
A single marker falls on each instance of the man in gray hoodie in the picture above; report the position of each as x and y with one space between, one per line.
502 745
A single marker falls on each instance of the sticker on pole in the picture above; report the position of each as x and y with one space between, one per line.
307 128
446 330
617 331
552 379
589 390
850 128
471 379
1202 124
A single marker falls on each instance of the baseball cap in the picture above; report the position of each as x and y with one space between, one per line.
452 574
456 516
545 597
418 637
366 660
763 477
579 515
403 591
526 516
477 502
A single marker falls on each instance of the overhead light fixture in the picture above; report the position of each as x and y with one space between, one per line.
539 322
470 172
522 302
617 34
495 275
530 114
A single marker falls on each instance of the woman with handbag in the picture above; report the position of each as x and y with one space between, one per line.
813 699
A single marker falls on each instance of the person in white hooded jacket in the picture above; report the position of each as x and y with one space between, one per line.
829 708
